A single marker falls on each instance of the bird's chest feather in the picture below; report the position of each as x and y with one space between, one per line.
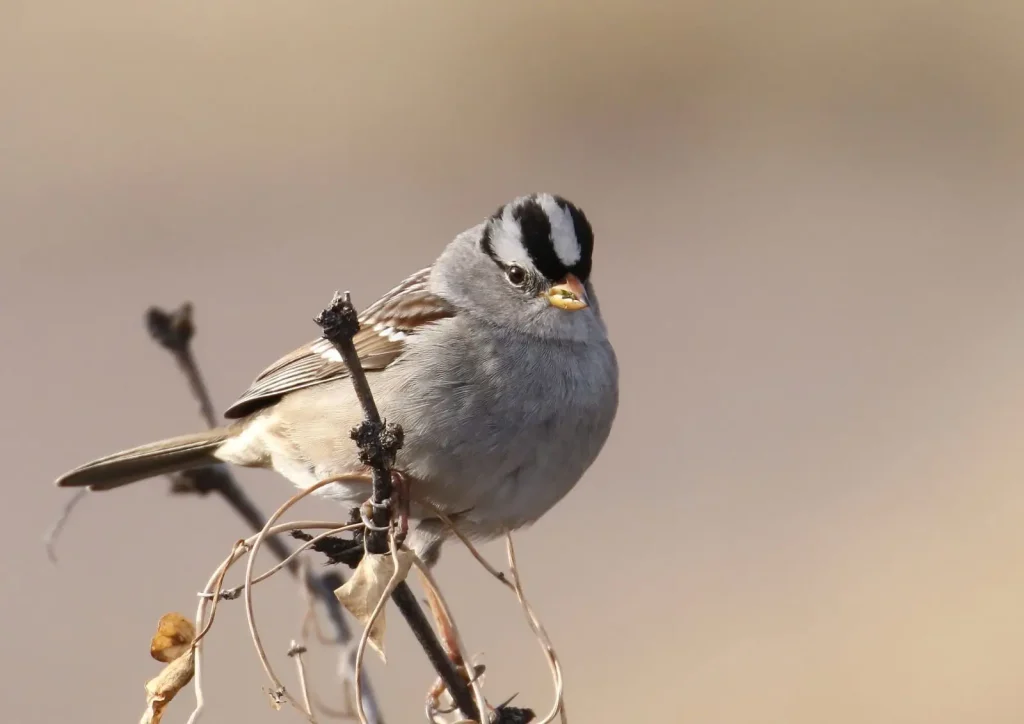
503 421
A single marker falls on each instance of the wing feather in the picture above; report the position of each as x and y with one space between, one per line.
384 327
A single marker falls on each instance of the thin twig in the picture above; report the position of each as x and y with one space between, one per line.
378 443
406 602
558 709
51 536
309 621
467 542
218 583
219 479
174 331
296 651
305 546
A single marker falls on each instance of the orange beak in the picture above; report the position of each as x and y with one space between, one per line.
568 294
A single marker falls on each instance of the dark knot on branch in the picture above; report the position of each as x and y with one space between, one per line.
339 320
514 715
348 551
171 330
378 443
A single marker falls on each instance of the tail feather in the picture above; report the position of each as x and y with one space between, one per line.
147 461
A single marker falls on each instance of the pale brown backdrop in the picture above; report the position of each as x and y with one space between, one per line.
809 251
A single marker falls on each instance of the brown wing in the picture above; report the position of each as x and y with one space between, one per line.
384 327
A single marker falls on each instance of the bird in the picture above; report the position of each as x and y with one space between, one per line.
495 360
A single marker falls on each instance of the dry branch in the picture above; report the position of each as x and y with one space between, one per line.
174 331
378 443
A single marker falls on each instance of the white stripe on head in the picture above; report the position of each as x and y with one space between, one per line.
563 233
507 240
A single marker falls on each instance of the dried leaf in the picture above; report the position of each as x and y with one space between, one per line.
368 585
161 689
174 635
172 644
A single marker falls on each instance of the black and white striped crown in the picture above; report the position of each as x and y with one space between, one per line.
543 231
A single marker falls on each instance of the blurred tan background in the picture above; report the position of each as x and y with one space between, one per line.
810 256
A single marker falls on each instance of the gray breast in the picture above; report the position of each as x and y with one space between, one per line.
499 423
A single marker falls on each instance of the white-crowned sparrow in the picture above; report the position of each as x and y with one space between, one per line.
494 360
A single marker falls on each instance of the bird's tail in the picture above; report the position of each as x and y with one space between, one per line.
146 461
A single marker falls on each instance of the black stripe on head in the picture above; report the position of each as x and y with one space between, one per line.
536 230
584 237
485 241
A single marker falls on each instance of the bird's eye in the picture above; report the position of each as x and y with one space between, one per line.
516 275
